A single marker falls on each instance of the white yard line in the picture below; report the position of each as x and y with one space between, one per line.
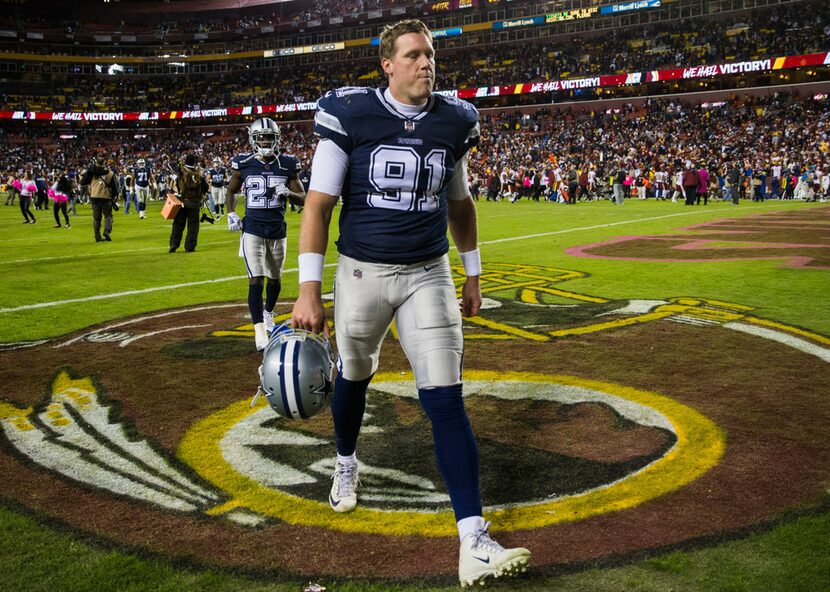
161 249
241 277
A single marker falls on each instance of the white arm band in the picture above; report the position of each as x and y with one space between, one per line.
472 262
311 267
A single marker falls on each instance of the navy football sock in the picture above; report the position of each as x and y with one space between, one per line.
272 292
455 447
347 406
255 302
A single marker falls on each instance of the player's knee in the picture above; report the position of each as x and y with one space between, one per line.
255 281
438 367
444 406
356 369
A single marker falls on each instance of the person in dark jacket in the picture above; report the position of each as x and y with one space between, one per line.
191 186
102 185
734 177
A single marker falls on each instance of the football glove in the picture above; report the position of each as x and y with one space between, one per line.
281 191
234 222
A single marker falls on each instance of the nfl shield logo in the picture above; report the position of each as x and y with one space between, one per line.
358 274
409 126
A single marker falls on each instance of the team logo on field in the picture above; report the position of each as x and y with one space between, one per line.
592 416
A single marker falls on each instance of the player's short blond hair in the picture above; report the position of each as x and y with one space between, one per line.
390 33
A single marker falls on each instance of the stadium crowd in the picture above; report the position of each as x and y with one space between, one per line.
680 44
294 13
779 145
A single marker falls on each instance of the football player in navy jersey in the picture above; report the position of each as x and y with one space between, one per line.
142 179
216 176
397 156
267 178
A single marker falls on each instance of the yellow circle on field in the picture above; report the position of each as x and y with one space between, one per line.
700 445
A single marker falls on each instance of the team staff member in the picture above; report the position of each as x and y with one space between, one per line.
268 178
103 189
397 156
191 187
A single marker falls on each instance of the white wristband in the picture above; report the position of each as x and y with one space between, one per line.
472 262
311 267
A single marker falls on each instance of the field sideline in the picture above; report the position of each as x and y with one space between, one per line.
57 281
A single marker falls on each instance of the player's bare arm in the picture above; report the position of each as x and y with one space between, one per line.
308 311
464 230
297 193
234 185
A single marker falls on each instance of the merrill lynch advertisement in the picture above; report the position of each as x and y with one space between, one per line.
628 6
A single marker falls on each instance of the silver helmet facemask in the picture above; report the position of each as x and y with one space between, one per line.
264 136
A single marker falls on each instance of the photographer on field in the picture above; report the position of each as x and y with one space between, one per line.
102 185
191 187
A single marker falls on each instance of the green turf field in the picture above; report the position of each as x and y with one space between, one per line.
58 280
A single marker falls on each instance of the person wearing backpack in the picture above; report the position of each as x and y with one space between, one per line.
191 187
102 186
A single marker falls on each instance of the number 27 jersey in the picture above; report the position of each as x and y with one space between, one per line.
399 168
264 209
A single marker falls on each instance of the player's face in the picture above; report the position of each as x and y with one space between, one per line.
411 71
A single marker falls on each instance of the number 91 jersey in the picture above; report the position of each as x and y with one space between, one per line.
264 209
395 191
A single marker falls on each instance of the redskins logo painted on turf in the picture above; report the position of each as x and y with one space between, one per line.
270 467
151 417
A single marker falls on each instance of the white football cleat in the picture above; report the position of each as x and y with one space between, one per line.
481 556
343 496
261 336
268 320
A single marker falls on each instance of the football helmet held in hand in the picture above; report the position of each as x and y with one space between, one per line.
297 372
264 136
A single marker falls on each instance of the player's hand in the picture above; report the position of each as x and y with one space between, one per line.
281 191
471 296
234 222
308 312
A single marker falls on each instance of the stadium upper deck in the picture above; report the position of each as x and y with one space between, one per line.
530 58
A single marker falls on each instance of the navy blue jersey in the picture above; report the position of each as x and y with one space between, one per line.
142 176
395 192
264 211
217 177
305 178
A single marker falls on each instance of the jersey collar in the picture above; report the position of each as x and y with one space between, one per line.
381 95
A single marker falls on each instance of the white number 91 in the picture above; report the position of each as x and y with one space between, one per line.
395 173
